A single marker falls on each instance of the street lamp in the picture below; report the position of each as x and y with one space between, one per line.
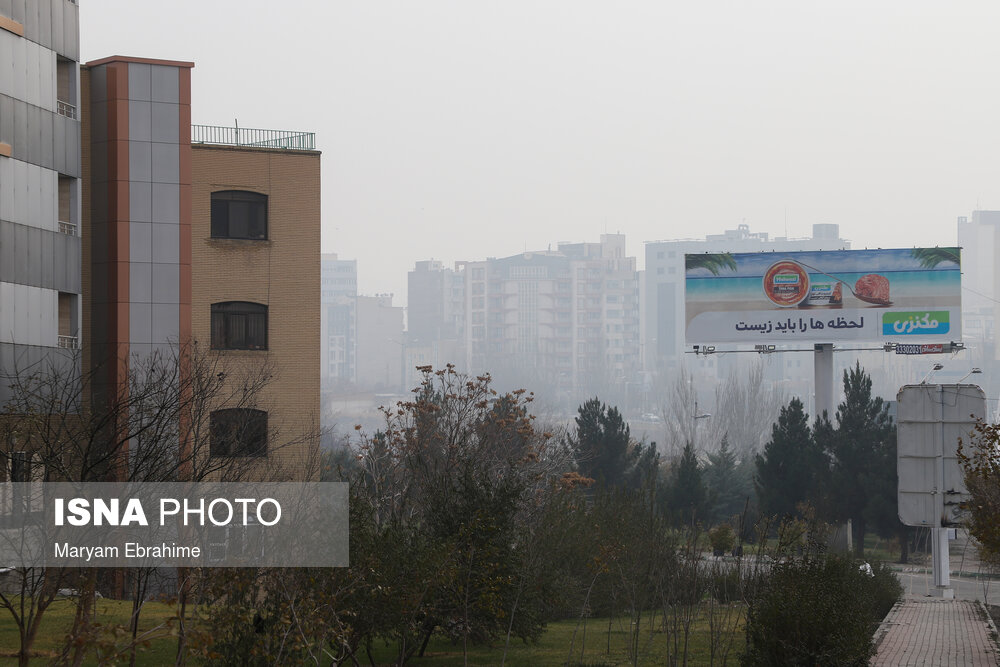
931 372
695 419
974 371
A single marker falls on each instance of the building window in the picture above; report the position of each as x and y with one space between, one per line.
239 325
238 432
238 214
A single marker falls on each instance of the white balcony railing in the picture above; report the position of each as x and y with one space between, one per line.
69 342
65 109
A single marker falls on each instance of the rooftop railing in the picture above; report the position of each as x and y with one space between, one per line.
254 138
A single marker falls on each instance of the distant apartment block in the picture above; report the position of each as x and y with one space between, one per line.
338 329
380 345
435 318
663 335
979 239
566 319
41 289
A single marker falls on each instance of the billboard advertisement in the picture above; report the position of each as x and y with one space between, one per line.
908 295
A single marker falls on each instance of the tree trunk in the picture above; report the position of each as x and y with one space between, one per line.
859 537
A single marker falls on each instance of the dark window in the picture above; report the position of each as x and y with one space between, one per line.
238 432
20 467
239 325
238 214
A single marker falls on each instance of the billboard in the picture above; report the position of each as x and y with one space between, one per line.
931 418
908 295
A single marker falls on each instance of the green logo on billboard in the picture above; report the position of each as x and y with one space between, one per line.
921 322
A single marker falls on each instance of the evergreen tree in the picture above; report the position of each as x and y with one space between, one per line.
687 493
604 450
862 452
727 484
790 469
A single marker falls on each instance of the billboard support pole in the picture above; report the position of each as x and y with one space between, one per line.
823 378
939 534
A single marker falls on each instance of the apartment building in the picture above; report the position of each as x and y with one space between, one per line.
255 278
204 240
40 186
566 319
380 344
338 328
435 318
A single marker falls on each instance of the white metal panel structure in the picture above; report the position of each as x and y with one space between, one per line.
931 419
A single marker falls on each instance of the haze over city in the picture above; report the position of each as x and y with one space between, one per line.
573 333
461 131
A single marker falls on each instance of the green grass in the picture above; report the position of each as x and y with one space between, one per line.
594 645
58 621
599 646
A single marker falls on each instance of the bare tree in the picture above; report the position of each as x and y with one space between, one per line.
677 405
745 409
141 419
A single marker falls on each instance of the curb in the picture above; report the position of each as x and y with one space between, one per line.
887 623
994 637
953 573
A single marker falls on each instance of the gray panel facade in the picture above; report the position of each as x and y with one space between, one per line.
40 258
31 132
154 193
54 24
30 255
21 361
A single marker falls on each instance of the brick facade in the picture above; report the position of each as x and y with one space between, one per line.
282 272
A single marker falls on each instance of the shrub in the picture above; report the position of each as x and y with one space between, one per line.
687 586
722 538
726 585
818 611
886 589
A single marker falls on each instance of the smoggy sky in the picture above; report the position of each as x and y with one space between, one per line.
466 129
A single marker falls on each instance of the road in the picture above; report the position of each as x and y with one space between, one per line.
919 581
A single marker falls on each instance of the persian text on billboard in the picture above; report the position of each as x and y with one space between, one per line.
909 294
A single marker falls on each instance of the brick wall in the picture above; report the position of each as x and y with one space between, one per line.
282 272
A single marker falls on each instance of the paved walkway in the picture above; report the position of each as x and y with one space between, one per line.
932 631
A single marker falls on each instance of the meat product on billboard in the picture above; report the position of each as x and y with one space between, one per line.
873 288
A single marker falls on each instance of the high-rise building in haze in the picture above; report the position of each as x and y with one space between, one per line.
978 239
567 319
338 334
435 318
380 346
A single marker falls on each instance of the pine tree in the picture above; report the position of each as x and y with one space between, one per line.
604 450
862 452
790 469
727 484
687 489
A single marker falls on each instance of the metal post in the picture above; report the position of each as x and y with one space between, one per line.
823 378
939 534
